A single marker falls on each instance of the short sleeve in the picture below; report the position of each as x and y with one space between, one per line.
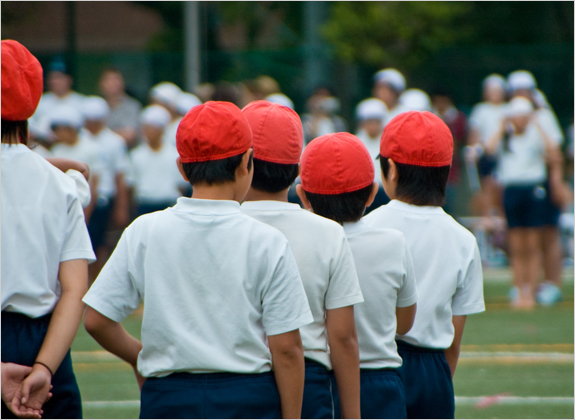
343 289
407 294
551 127
114 294
284 302
468 298
77 245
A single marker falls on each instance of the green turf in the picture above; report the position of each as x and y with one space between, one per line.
110 379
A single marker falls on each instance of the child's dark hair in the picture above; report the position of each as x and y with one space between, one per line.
273 177
14 130
345 207
214 171
421 185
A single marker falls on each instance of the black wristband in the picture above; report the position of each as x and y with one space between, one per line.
46 366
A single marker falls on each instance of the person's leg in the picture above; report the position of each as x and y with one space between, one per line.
525 262
550 242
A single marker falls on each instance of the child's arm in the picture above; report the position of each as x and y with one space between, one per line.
113 337
405 317
452 353
73 275
289 370
492 144
344 351
121 206
65 164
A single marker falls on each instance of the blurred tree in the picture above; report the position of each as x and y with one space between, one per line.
171 38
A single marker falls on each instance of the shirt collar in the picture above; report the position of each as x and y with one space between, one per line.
354 227
269 205
206 207
410 208
14 149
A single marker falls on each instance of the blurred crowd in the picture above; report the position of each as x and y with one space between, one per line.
511 138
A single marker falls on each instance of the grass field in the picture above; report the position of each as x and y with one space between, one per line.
514 364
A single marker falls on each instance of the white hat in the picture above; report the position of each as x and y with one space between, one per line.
519 106
155 115
415 100
280 98
391 77
521 79
95 108
371 109
495 80
187 101
67 116
167 93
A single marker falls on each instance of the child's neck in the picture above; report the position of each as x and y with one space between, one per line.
258 195
406 200
156 146
226 191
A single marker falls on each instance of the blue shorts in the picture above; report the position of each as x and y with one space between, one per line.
99 221
381 395
22 338
486 165
551 212
211 396
525 205
317 396
427 381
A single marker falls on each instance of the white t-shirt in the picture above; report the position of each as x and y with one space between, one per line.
170 132
49 101
214 283
114 159
154 174
385 271
524 163
486 118
372 146
325 264
85 150
447 269
550 125
399 109
42 226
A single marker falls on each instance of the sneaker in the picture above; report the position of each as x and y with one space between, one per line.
513 294
549 294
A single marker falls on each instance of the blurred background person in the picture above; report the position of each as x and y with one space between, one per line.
154 175
124 110
415 100
388 86
167 94
523 84
322 117
443 107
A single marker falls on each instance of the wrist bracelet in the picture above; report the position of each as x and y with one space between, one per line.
46 366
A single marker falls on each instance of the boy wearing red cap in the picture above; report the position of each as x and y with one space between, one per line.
416 151
323 257
45 254
337 183
218 288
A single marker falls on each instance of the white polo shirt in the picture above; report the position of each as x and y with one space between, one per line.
399 109
325 264
154 174
42 226
387 279
85 150
486 118
214 283
447 269
113 155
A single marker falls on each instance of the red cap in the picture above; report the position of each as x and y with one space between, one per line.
22 82
278 133
212 131
335 164
417 138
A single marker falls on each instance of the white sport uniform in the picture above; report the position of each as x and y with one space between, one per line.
170 131
49 101
447 269
113 155
35 242
486 119
325 264
214 283
85 150
524 163
550 125
154 174
391 113
372 146
387 279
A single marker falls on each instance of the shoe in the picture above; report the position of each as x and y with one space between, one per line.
549 294
513 294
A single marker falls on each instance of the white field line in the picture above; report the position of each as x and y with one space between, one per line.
506 400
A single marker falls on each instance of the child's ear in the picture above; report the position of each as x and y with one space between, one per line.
374 190
301 194
392 173
245 166
181 168
298 169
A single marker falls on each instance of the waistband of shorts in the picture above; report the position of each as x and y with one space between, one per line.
215 378
315 366
406 347
17 318
379 372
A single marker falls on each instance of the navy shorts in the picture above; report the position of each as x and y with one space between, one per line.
317 396
145 208
551 212
486 165
427 382
211 396
22 338
381 395
99 221
525 205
